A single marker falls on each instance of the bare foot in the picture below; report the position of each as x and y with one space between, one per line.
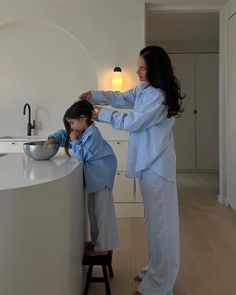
138 279
89 245
92 252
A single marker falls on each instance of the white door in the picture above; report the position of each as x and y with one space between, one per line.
184 129
207 105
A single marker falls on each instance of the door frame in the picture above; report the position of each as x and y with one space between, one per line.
221 9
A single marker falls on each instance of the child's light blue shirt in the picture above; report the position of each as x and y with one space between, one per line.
151 143
99 159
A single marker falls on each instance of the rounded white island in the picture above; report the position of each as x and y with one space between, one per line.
41 226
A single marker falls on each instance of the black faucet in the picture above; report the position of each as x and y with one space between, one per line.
29 125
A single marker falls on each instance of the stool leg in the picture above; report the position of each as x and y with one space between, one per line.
88 278
110 270
108 291
109 265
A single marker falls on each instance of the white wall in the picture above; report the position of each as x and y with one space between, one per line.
51 51
187 46
222 106
230 93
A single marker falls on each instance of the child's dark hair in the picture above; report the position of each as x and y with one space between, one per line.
78 109
160 74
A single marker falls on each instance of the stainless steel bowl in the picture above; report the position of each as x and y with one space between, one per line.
38 150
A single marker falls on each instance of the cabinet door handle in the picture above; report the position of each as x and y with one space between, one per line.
195 112
13 143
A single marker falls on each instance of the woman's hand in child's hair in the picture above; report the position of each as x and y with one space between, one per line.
95 113
86 95
51 140
74 134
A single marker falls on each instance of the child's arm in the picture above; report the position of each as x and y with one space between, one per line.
86 148
50 140
58 137
80 150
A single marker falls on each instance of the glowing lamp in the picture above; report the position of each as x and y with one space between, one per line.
117 80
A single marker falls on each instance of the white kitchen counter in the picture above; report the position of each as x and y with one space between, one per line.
17 170
41 226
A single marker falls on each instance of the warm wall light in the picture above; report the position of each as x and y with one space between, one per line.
117 80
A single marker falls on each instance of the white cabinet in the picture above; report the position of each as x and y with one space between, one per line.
125 188
207 106
14 144
196 133
184 128
120 148
7 147
11 147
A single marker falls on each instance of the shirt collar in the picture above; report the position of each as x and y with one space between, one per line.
144 84
85 135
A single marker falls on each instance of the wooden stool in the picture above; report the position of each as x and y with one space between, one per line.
105 262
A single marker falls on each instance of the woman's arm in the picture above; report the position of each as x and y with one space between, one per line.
116 99
152 112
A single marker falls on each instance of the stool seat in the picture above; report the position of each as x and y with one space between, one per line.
105 262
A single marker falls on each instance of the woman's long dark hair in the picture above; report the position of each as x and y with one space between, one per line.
160 74
78 109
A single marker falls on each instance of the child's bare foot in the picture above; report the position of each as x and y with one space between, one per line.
89 245
138 279
137 293
92 252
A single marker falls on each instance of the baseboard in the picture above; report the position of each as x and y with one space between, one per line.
198 171
222 200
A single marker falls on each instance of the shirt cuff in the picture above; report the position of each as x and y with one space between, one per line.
57 135
96 95
105 115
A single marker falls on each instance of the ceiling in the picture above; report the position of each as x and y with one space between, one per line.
182 26
187 2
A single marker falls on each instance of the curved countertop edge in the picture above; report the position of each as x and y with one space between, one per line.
19 171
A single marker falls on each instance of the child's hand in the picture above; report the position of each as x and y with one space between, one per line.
86 95
51 140
95 113
74 134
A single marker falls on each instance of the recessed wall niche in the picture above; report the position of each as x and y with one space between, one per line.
44 65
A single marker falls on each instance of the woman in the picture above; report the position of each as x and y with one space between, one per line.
151 158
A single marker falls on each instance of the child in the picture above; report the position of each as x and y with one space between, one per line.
83 137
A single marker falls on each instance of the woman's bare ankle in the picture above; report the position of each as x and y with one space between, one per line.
138 279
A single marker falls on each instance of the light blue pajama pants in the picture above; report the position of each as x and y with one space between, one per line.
103 228
162 221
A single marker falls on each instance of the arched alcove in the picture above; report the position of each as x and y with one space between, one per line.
44 65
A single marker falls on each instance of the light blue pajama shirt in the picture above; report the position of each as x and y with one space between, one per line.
151 143
99 159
